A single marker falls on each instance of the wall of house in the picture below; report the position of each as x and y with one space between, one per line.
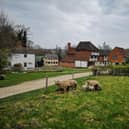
116 56
67 64
82 64
24 59
102 61
50 62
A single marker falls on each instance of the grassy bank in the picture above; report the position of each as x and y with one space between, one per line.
19 77
46 109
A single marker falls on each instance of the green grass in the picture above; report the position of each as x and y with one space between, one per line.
46 109
16 78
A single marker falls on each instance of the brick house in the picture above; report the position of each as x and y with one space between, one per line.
83 55
117 56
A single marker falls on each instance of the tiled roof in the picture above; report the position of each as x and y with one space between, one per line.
40 52
122 51
22 50
51 56
86 45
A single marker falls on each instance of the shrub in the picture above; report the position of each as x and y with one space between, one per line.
120 71
102 70
17 67
2 77
3 59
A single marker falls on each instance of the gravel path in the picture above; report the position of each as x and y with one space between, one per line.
36 84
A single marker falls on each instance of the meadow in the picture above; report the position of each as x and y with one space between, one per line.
19 77
47 109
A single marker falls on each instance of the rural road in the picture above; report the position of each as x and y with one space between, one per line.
35 84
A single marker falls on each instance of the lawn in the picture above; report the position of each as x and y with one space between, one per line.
16 78
46 109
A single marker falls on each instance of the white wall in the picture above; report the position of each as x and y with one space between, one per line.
101 63
51 62
19 58
95 53
79 63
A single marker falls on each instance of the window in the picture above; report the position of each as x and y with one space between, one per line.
25 55
114 57
92 56
25 64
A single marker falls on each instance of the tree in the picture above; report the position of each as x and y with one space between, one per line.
60 53
22 34
104 46
30 44
36 46
7 33
7 39
3 59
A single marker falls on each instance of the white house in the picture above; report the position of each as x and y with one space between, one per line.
25 58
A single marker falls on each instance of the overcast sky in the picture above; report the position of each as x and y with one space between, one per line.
56 22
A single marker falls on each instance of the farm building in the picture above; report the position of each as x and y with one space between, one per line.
84 55
50 60
24 57
117 56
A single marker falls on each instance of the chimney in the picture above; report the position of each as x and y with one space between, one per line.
69 46
19 44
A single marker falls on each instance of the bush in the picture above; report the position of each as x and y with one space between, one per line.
119 70
2 77
3 59
99 70
17 67
123 71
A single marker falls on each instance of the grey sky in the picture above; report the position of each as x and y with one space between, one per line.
56 22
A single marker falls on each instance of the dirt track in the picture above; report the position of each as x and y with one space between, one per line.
36 84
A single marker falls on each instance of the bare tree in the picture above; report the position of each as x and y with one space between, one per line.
36 46
104 46
3 59
60 53
7 33
22 34
30 44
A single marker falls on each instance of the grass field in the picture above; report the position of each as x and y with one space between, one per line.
46 109
16 78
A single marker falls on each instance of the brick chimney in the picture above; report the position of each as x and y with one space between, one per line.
19 44
69 46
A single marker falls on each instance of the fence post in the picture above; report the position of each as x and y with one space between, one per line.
46 82
72 75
